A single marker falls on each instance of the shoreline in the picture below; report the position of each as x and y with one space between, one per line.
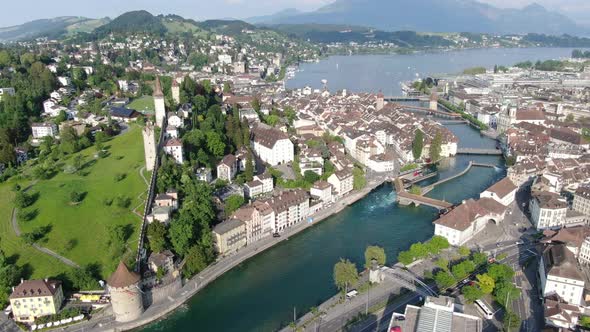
191 287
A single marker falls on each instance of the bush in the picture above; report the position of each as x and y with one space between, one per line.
120 177
123 201
23 200
76 196
107 201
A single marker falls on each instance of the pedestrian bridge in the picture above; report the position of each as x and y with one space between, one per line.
405 279
428 111
473 151
405 198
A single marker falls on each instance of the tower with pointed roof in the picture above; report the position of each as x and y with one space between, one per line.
176 91
380 101
159 105
126 296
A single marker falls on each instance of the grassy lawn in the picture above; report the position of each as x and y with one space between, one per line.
145 103
35 264
79 232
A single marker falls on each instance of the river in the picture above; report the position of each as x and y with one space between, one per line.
260 294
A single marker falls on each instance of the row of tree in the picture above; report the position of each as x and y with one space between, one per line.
435 149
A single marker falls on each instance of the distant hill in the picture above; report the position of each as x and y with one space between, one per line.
135 21
49 27
434 16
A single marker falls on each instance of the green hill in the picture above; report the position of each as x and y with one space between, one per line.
133 22
46 27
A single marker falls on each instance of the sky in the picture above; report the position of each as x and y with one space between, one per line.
20 11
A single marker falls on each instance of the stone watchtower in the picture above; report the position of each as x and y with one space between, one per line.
159 105
149 145
126 296
175 91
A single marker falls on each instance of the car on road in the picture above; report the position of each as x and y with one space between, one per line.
519 243
352 294
276 235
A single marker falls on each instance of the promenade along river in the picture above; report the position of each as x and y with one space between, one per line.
260 294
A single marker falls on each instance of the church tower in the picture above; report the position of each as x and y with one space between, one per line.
380 101
159 104
126 297
434 101
149 145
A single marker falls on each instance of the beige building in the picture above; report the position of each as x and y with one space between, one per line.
229 236
342 181
35 298
582 200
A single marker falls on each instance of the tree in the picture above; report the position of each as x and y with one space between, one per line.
359 180
472 293
256 104
444 279
310 177
500 272
442 263
196 261
345 274
76 196
156 234
226 88
23 200
419 250
435 147
486 283
233 203
181 235
374 253
511 321
439 242
249 171
418 144
505 292
463 269
84 278
569 118
479 258
464 251
405 257
215 144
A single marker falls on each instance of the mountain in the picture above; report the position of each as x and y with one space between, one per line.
434 16
49 27
135 21
277 16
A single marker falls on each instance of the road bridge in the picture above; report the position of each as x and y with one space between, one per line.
406 99
405 198
474 151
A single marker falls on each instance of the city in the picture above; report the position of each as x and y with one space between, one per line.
160 173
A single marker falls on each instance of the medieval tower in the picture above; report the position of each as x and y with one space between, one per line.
434 101
380 101
159 104
149 145
175 91
126 296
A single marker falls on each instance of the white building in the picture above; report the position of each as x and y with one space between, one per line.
41 130
503 192
342 182
173 147
6 92
272 146
548 210
224 59
204 174
582 200
227 168
559 274
468 219
261 184
322 191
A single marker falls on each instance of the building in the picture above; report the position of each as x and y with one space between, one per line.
123 114
36 298
561 314
6 92
251 218
173 147
582 200
342 182
321 191
559 274
204 174
289 207
463 222
227 168
126 296
272 145
229 235
149 146
503 192
548 210
175 91
169 199
438 314
159 105
163 261
44 129
433 101
260 185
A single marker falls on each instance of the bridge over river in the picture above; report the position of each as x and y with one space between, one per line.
474 151
405 198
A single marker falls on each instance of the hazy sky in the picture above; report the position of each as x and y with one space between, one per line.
20 11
